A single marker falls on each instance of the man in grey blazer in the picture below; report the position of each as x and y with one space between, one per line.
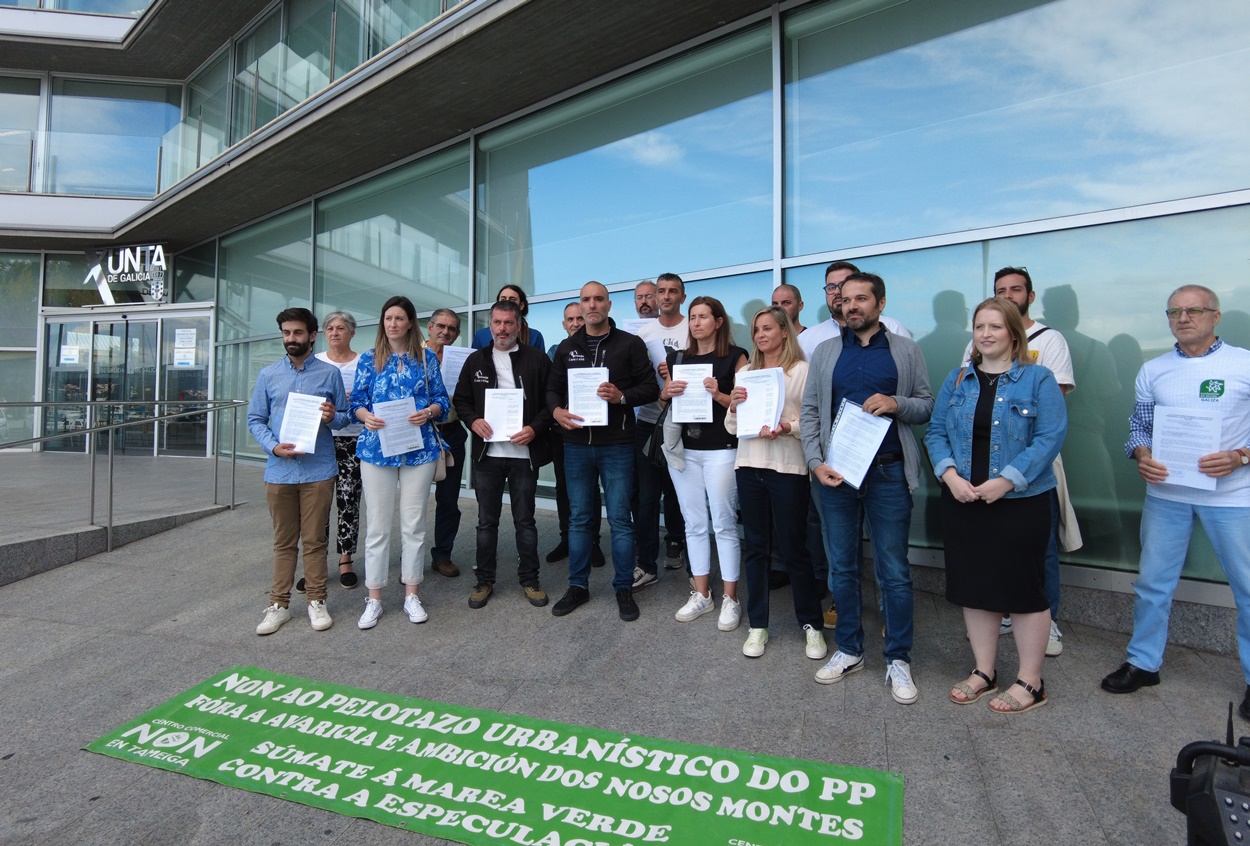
884 373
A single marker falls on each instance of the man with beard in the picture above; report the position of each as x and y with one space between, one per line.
886 375
298 485
814 336
644 300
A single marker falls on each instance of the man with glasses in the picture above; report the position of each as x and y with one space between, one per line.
1211 379
835 275
651 483
442 331
1049 348
644 300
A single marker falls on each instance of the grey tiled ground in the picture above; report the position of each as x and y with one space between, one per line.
91 645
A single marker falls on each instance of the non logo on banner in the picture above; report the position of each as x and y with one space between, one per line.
482 777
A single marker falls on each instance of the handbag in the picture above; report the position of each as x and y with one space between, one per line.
653 447
445 458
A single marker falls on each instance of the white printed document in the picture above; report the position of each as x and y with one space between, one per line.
633 325
300 421
398 435
453 362
503 412
1181 436
766 394
584 399
854 441
694 405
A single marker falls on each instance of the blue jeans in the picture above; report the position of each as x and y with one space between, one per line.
886 505
777 510
447 494
584 466
1165 530
490 474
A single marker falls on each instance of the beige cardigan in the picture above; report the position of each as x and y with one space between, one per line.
785 454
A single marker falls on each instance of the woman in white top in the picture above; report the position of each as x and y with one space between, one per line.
772 476
339 329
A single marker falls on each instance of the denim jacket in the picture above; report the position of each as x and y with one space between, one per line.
1029 424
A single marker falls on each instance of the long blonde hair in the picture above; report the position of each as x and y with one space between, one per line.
1015 326
382 345
791 352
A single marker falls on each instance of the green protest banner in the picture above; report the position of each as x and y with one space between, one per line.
482 777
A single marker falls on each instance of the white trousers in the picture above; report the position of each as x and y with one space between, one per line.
708 481
378 485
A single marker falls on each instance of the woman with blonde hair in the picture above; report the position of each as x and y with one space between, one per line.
398 367
771 475
997 425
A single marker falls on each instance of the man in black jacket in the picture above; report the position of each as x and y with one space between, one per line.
599 452
511 458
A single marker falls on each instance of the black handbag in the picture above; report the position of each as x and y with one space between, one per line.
653 447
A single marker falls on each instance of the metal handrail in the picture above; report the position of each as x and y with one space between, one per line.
202 407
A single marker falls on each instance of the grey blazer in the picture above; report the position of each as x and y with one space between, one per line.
914 398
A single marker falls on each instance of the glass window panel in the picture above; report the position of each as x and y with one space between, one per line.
19 119
195 274
207 120
263 269
17 384
349 35
937 116
392 20
127 8
405 232
258 78
67 349
106 136
19 299
308 40
238 365
668 168
66 283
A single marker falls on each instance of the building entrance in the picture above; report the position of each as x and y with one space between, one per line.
161 362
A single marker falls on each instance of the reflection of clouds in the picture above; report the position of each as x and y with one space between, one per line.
1065 108
652 149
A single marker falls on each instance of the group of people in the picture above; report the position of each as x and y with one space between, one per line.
992 438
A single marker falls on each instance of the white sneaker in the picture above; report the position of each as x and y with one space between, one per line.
1004 628
319 616
902 686
730 614
816 647
1054 646
839 667
412 606
369 619
642 578
696 606
757 639
275 616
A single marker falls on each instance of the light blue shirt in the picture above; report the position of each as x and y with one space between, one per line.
264 418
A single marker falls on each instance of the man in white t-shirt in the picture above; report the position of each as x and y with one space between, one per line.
670 331
835 275
1205 378
507 458
1048 348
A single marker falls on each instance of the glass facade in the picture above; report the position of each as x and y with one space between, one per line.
264 269
19 125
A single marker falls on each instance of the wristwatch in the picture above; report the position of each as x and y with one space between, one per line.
1243 454
623 402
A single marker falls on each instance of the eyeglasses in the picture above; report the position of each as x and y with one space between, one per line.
641 297
445 327
1194 312
829 289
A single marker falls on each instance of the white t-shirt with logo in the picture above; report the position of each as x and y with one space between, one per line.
504 379
673 338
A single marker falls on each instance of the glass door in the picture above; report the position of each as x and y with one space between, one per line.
185 353
67 359
123 369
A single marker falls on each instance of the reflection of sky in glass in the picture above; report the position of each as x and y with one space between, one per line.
678 176
1067 108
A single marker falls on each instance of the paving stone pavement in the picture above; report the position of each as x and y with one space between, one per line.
91 645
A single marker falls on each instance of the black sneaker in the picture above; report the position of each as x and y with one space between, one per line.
596 556
625 603
300 587
672 552
1244 708
572 598
560 553
480 595
778 579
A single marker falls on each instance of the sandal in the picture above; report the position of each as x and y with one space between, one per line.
1014 705
349 579
991 686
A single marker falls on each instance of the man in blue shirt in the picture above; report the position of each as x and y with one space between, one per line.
298 485
884 373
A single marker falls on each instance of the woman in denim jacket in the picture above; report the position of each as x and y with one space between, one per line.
997 425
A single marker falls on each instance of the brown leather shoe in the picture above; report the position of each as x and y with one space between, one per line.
446 567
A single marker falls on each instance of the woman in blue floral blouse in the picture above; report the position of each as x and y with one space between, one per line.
397 368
